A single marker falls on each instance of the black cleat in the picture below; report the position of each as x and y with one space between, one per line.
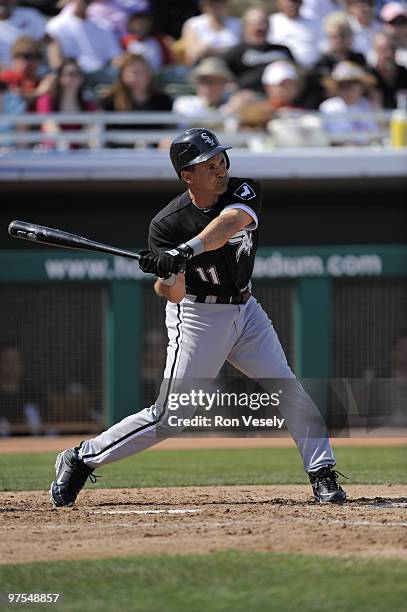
325 486
71 475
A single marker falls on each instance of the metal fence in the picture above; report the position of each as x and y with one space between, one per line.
368 315
53 354
96 130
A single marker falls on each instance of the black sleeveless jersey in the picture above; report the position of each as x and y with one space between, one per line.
227 270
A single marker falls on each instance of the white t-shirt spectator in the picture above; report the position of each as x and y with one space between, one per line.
191 106
301 36
194 106
338 105
363 37
110 14
22 22
319 9
83 40
227 37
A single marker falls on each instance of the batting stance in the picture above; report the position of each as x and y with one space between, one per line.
202 247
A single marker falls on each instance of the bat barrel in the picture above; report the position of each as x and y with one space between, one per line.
55 237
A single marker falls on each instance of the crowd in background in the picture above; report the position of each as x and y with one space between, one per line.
252 59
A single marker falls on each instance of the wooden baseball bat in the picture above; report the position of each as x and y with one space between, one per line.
59 238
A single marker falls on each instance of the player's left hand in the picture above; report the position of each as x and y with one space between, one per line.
173 261
148 262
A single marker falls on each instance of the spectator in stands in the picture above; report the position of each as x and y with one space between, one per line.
248 59
283 86
68 96
319 9
21 403
210 33
349 82
10 104
109 15
113 14
140 40
16 21
133 91
391 78
74 35
302 36
339 44
363 23
338 48
211 77
23 75
394 16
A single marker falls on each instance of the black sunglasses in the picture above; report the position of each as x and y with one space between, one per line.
29 56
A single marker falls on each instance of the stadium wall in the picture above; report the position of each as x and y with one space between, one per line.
296 212
94 333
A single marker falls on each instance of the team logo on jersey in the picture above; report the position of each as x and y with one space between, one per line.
244 242
245 192
206 138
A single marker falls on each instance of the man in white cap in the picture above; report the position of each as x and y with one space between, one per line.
211 78
282 84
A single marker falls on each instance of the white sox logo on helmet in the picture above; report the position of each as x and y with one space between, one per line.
206 138
244 241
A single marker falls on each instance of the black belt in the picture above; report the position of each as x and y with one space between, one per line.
241 298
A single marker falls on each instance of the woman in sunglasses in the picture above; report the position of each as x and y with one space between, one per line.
67 96
23 76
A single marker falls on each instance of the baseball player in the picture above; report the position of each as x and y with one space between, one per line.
202 247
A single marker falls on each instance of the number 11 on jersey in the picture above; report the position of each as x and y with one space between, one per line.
209 276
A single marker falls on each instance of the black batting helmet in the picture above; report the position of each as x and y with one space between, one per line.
194 146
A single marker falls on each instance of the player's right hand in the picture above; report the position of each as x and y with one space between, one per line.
148 262
173 261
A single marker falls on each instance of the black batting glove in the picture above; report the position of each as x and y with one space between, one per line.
148 262
173 261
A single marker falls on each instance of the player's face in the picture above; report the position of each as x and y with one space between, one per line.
211 176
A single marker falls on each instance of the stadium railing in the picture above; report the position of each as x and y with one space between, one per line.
96 130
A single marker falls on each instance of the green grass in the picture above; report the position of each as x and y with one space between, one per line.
228 581
363 465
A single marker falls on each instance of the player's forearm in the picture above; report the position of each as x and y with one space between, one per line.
173 294
221 229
